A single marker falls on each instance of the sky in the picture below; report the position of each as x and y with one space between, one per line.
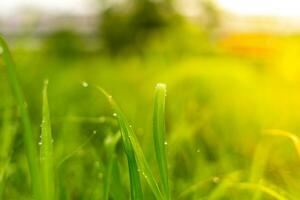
7 7
277 8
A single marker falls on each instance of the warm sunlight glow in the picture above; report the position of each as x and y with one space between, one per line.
280 8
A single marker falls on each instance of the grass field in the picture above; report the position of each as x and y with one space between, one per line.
211 124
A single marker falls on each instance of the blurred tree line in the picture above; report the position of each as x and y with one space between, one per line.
130 27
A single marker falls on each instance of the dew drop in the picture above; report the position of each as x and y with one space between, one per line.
94 132
198 150
144 175
115 114
40 143
84 84
216 179
166 143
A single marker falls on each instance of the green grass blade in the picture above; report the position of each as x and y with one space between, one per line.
117 189
259 164
222 187
126 132
133 149
266 188
8 133
30 144
110 144
159 133
46 151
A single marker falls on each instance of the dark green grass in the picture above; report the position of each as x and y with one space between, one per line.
28 135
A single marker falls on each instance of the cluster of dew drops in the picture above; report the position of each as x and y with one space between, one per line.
85 84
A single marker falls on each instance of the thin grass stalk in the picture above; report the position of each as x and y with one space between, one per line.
159 132
135 182
28 136
46 151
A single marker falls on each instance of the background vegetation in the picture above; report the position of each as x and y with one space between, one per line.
228 95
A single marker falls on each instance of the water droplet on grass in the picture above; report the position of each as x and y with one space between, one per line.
216 179
94 132
40 143
198 150
115 114
84 84
165 143
144 175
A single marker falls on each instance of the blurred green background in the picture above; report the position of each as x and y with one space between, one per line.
229 78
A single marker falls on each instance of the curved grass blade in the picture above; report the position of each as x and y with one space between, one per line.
223 186
258 166
46 151
30 145
136 159
159 133
126 132
292 137
270 190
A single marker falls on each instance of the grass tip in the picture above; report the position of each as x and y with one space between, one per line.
161 86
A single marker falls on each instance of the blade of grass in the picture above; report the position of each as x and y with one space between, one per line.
126 132
46 151
223 186
259 162
159 133
8 133
30 145
261 156
76 150
117 190
110 144
292 137
136 159
270 190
